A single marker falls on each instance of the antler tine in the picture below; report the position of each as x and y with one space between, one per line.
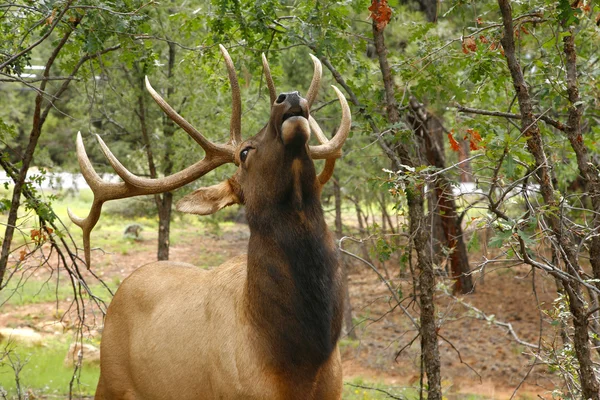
327 172
208 146
86 225
269 79
332 148
133 185
236 101
95 182
314 126
313 90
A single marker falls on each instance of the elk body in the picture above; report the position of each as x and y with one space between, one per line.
261 326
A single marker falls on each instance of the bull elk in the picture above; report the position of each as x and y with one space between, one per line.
261 326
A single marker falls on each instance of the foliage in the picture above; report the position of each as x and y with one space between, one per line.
453 66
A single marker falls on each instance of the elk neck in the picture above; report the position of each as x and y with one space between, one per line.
293 290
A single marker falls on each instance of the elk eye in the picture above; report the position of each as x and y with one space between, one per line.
244 154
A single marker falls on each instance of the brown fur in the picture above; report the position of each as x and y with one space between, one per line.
262 326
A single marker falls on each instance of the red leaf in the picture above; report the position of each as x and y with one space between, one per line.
468 45
381 13
474 140
453 143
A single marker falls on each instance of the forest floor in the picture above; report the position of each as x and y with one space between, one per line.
494 364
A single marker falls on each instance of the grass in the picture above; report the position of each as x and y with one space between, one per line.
43 371
358 389
32 291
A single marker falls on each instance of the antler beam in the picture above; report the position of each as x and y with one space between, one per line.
133 185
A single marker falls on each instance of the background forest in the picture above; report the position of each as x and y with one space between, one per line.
466 204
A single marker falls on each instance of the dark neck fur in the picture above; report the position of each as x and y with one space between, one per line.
293 290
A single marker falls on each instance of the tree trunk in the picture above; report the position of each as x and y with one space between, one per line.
361 229
425 126
165 206
39 118
435 227
535 145
164 225
414 196
587 168
429 7
466 172
348 324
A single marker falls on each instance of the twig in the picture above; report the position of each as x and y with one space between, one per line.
385 281
57 19
460 357
479 314
376 389
469 110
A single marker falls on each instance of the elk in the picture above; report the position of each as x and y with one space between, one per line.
260 326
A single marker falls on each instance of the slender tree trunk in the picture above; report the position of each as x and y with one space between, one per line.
466 172
39 117
535 145
165 206
414 195
164 225
459 260
361 229
429 7
435 227
587 169
339 231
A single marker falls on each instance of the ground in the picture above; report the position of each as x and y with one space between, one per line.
493 363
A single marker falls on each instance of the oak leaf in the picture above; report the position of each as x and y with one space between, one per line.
381 13
453 143
474 139
469 45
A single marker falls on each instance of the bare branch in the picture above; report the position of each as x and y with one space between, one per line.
557 124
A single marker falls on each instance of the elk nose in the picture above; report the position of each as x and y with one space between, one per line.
281 98
292 98
293 104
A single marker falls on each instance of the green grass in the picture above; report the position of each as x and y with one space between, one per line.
36 291
358 389
43 371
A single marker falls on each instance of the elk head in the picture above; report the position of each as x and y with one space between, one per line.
280 147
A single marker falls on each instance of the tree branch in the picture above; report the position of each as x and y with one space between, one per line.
468 110
56 21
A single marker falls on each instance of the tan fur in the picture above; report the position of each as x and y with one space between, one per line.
191 319
263 326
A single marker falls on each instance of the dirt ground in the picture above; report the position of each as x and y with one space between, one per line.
493 363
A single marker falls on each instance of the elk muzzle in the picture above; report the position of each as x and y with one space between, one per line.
294 112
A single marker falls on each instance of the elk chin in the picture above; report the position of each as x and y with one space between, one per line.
295 130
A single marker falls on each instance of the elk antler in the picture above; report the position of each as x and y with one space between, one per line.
332 148
132 185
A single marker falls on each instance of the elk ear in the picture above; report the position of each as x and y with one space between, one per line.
208 200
